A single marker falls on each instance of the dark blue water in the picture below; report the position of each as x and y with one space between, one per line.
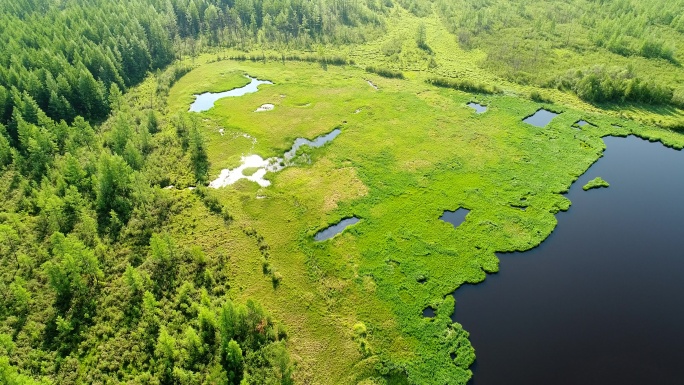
429 312
540 118
335 229
602 300
455 217
479 109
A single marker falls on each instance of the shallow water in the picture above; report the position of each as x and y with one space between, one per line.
480 109
541 118
317 142
335 229
601 301
205 101
582 123
455 217
274 164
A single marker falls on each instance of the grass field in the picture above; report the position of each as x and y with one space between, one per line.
407 152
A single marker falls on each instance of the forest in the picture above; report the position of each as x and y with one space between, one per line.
103 173
83 226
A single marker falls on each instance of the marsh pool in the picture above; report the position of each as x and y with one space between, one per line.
205 101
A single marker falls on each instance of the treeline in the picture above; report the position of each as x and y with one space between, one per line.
70 58
626 27
463 85
600 85
529 42
289 22
385 72
323 60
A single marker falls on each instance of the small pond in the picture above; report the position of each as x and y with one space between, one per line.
317 142
205 101
455 217
479 108
429 312
541 118
601 301
274 164
335 229
582 123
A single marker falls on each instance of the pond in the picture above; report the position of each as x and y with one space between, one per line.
479 109
274 164
455 217
205 101
541 118
601 301
335 229
317 142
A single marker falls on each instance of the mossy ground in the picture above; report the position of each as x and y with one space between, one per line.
407 152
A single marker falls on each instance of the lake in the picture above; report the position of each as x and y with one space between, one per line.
601 301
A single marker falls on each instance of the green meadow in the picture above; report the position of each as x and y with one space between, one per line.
407 152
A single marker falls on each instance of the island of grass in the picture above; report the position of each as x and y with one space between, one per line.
249 171
597 182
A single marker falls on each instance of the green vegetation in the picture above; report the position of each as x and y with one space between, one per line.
595 183
385 73
119 265
463 85
599 85
540 42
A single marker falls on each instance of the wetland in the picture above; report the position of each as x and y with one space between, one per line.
205 101
396 192
586 297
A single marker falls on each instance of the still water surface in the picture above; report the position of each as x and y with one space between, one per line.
205 101
335 229
541 118
455 217
479 108
601 301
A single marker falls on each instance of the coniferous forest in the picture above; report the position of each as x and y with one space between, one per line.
82 225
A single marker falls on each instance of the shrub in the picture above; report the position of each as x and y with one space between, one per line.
385 73
463 85
600 85
539 98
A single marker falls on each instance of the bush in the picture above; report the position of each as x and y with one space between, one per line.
211 202
600 85
678 98
463 85
539 98
385 73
